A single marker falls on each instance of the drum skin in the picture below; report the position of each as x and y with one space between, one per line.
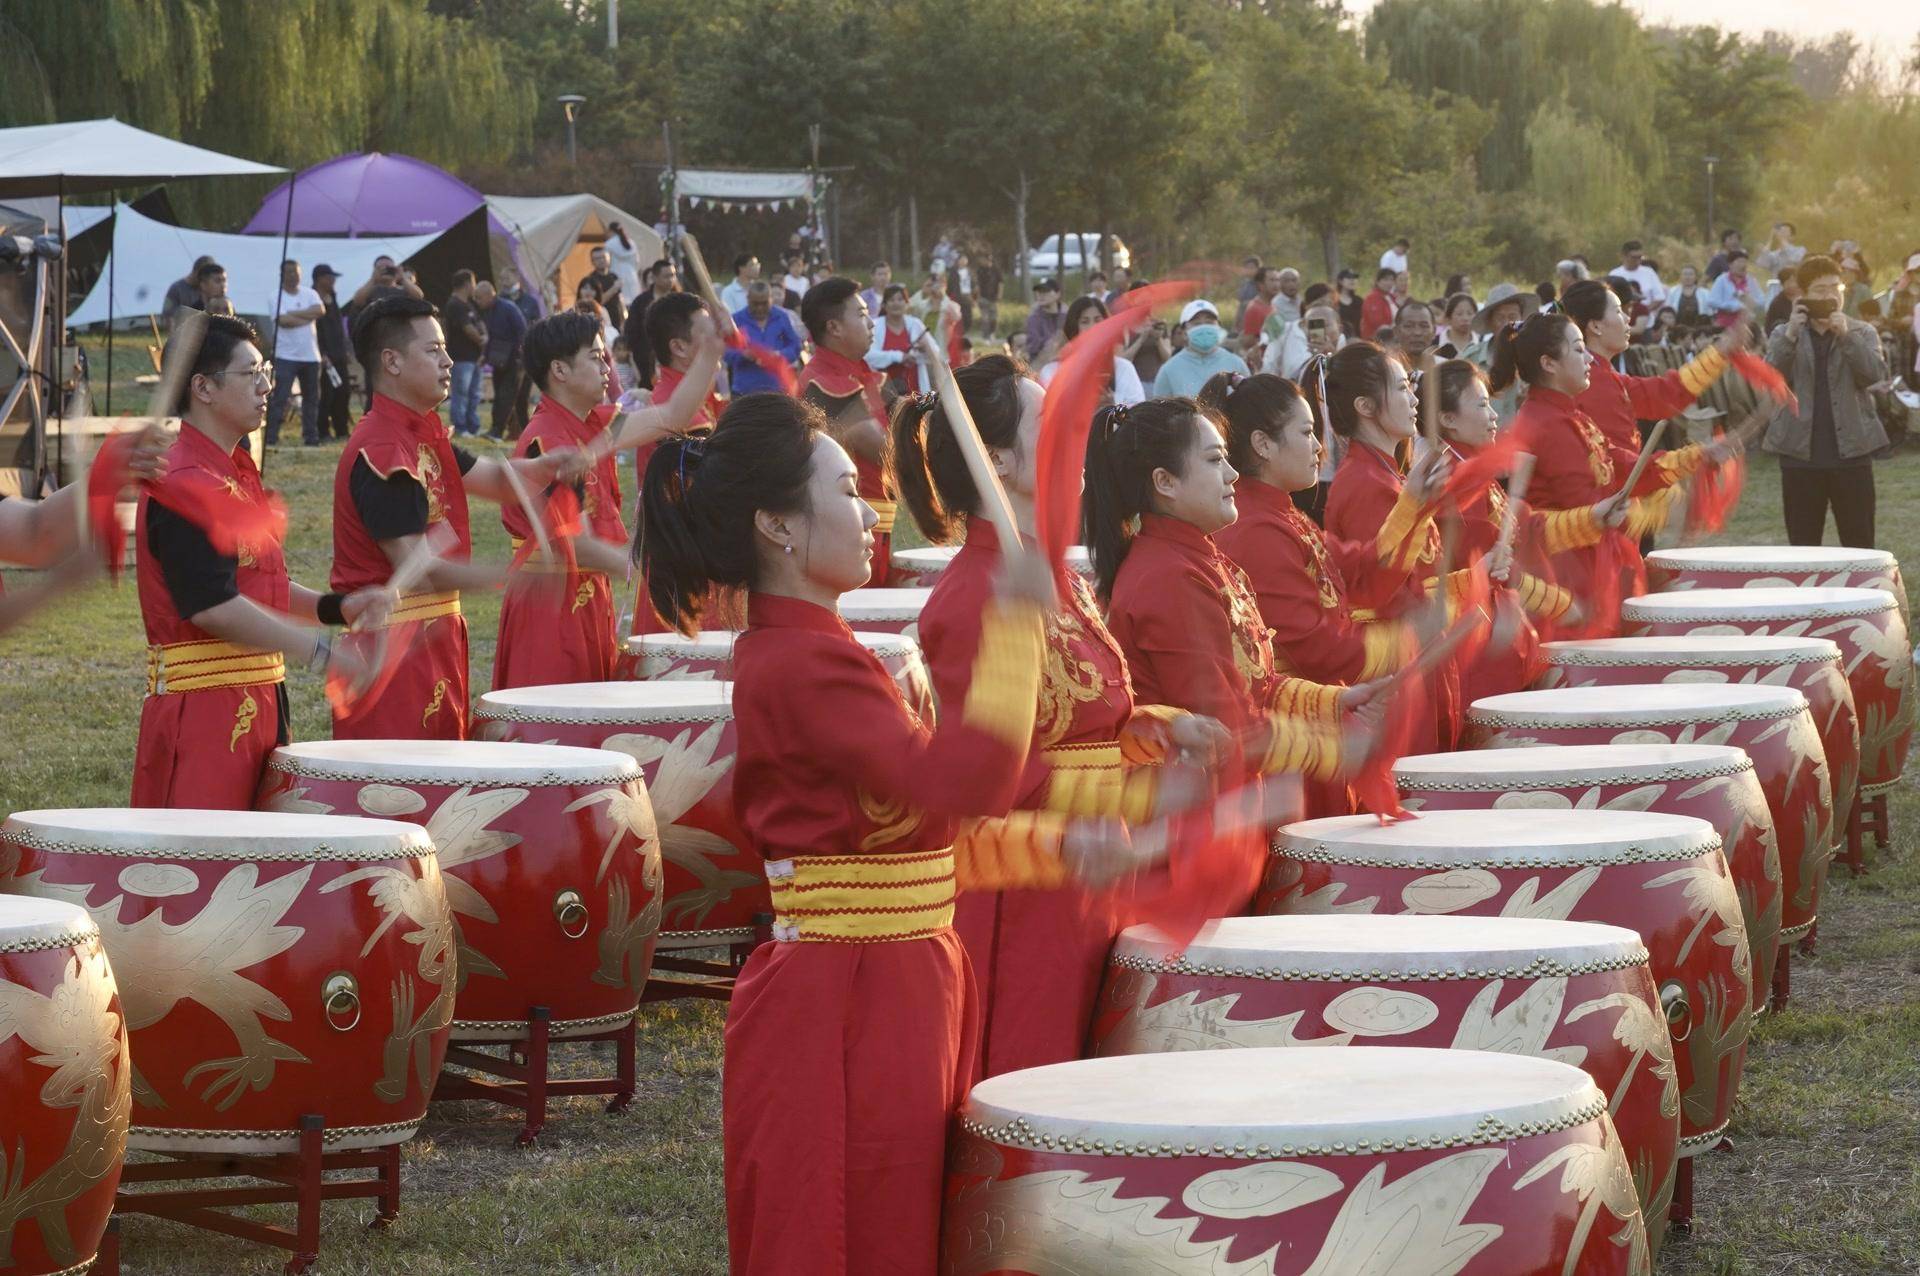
1810 666
1291 1163
920 568
1772 724
1876 653
1571 991
1660 875
682 735
1778 567
886 611
1715 783
708 657
550 858
271 966
67 1091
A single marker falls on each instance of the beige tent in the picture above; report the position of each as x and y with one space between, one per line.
558 231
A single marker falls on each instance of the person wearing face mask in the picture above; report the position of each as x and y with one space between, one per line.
1203 357
1827 448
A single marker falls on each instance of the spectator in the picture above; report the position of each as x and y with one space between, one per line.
1567 272
466 342
1729 244
183 293
1781 253
1203 357
986 292
1253 316
606 288
211 282
1148 351
1084 313
1780 309
1548 291
1286 302
1413 331
336 358
1378 310
1459 312
388 279
941 314
769 327
1689 301
585 302
895 351
1633 265
795 282
1827 447
662 281
506 326
746 269
960 287
1096 287
1665 329
1506 304
624 255
1044 320
1346 286
1117 286
1395 258
1318 332
1249 288
1456 284
1853 278
876 290
623 367
296 356
1902 308
943 252
1735 295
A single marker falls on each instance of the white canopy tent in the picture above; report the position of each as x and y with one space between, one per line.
99 155
557 232
151 255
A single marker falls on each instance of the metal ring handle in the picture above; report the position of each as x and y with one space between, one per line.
340 996
571 912
1676 1008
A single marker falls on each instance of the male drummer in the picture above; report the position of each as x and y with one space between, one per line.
399 477
221 626
842 331
551 637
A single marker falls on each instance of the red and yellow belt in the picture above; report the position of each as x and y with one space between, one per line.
425 605
203 664
861 899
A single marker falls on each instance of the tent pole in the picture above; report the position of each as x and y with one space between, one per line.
56 385
279 294
113 198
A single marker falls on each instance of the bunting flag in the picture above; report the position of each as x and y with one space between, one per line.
1066 415
768 360
1763 377
108 476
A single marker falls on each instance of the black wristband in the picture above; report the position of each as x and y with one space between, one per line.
328 609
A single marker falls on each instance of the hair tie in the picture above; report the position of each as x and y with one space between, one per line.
926 402
692 446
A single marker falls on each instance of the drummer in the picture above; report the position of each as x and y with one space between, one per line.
549 637
842 331
222 625
399 476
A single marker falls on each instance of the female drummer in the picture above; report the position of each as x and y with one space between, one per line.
853 1036
1038 955
1617 403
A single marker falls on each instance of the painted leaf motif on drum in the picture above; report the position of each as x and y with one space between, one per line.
158 881
700 854
1189 1022
1379 1012
293 800
1557 904
632 812
1416 1226
1636 799
389 800
1325 900
1520 1027
1710 898
623 945
1641 1030
1598 1176
1449 891
1721 1022
1260 1190
75 1033
417 892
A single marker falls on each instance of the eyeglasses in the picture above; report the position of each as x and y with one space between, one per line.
261 373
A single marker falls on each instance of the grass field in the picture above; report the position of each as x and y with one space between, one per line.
1824 1177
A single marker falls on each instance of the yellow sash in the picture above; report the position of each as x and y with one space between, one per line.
858 899
206 663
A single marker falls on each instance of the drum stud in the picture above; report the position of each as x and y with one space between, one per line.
339 997
571 912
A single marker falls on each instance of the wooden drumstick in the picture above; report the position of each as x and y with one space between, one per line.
525 498
1644 459
703 282
967 434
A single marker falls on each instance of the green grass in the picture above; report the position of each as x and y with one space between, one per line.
1824 1177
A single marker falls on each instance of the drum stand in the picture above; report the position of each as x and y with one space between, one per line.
524 1081
1869 815
296 1178
712 980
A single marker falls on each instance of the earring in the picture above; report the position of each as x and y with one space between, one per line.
788 547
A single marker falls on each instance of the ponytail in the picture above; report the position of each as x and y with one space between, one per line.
929 470
1249 405
701 492
1519 347
1358 370
1584 302
1127 445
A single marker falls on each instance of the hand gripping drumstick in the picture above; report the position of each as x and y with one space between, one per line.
1644 459
967 434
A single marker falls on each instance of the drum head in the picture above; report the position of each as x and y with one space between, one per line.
1548 766
1522 838
664 701
1669 651
1370 946
927 560
453 762
882 604
1256 1104
1655 703
30 924
717 644
1755 604
1763 558
145 833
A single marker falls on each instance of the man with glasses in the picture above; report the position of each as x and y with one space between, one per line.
222 620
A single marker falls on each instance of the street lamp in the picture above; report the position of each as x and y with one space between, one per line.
1711 161
571 104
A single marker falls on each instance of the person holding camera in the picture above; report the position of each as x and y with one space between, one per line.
1828 443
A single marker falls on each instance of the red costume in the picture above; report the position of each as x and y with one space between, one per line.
1617 403
427 696
580 642
1038 956
644 621
840 376
853 1037
213 711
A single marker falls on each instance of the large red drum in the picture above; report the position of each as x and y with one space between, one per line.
1772 724
551 864
1572 991
888 611
1778 567
708 656
1865 623
1810 666
1292 1163
681 733
1716 783
919 568
65 1087
1661 875
272 966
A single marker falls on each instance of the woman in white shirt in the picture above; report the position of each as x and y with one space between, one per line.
623 255
1084 313
895 350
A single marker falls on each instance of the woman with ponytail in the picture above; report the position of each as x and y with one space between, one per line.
1617 403
1038 956
851 1037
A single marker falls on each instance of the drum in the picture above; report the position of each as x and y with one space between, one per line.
891 611
1292 1163
65 1087
1771 723
1716 783
1778 566
1571 991
551 863
919 568
1661 875
681 733
272 966
708 656
1865 623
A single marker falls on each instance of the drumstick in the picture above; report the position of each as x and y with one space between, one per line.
525 498
1517 481
999 510
703 282
1645 458
182 348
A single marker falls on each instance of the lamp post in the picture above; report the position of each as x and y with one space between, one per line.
571 104
1711 161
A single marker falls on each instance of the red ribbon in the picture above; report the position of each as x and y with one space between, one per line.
1715 495
1764 377
769 360
105 481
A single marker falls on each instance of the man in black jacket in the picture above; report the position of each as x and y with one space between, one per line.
336 362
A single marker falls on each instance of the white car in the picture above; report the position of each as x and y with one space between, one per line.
1082 252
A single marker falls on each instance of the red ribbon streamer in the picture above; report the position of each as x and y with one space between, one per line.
769 360
1764 377
1715 495
105 481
